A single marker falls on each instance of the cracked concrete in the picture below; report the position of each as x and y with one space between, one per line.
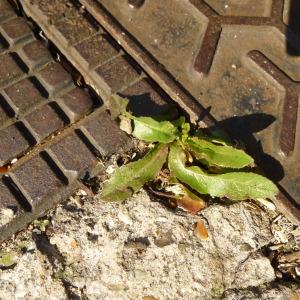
139 249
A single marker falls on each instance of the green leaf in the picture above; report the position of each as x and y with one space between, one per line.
179 122
146 128
150 130
7 259
218 155
233 185
131 177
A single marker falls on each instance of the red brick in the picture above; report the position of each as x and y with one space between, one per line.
44 121
24 94
12 144
118 73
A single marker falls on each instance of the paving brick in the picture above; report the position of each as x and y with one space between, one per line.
37 179
75 29
76 103
13 143
25 94
9 206
105 135
9 69
118 73
5 10
79 160
35 54
97 50
44 121
16 30
146 99
54 77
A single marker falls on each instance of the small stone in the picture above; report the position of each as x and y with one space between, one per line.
6 215
161 220
14 161
110 225
125 125
164 239
110 169
124 218
81 193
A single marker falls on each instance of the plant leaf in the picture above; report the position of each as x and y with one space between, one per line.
201 230
218 155
131 177
7 259
150 130
233 185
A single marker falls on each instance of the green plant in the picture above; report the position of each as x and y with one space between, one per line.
41 224
207 165
7 259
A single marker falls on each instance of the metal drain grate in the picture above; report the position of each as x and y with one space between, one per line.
240 60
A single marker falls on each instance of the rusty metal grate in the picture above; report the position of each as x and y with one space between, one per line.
199 55
240 61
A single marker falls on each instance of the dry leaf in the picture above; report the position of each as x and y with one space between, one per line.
186 199
201 230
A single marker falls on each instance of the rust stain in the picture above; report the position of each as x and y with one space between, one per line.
4 169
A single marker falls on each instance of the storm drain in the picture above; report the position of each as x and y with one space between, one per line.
231 65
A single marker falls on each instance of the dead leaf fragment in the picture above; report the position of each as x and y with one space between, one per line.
192 206
201 230
74 244
295 296
186 199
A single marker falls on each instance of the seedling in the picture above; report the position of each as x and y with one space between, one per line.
197 165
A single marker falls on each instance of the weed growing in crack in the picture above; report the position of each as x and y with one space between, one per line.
187 166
